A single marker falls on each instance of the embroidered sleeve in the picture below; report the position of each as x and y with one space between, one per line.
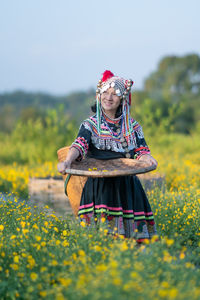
141 145
82 141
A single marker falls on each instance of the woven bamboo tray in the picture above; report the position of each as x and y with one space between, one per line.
89 167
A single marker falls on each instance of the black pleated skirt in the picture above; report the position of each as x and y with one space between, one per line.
120 204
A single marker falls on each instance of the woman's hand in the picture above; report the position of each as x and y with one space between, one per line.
149 159
73 154
62 166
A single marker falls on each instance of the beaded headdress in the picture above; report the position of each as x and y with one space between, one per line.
123 89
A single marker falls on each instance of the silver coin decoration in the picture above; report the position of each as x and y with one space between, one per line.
112 84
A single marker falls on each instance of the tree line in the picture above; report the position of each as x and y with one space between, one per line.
169 101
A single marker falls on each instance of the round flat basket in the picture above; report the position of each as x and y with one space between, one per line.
89 167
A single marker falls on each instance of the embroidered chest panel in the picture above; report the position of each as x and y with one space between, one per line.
112 137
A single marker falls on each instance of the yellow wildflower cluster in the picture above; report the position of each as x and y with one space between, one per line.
54 258
15 178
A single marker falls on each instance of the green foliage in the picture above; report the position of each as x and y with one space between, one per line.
38 140
171 96
22 106
166 117
7 121
174 78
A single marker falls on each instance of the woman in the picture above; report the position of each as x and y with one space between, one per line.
120 202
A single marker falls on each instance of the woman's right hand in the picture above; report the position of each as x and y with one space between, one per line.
62 166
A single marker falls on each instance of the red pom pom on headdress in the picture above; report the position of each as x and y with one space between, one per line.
106 75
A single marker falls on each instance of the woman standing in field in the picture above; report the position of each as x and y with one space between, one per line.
111 133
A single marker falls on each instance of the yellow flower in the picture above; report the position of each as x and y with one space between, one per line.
134 274
81 252
74 256
113 264
169 242
43 269
64 232
162 293
117 281
38 238
165 284
154 238
25 231
54 263
1 227
182 255
31 262
43 293
45 230
173 293
66 263
97 248
16 258
101 268
124 246
65 281
33 276
65 243
23 224
14 267
13 237
82 224
35 226
103 219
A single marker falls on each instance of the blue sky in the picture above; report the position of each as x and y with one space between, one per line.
63 46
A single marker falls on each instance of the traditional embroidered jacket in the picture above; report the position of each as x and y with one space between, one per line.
112 143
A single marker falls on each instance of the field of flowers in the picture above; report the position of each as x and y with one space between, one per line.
43 256
14 178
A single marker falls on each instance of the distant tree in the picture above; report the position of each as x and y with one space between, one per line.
24 106
176 77
176 83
